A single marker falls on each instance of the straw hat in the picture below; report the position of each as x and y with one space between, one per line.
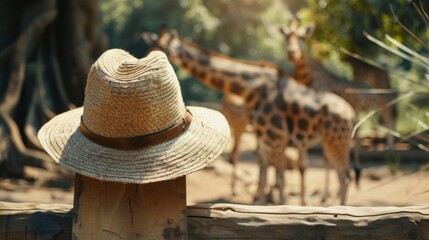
134 126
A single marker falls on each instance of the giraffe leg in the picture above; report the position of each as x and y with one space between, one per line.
281 163
344 180
327 171
388 117
234 157
237 116
234 181
280 184
339 156
356 161
302 165
260 197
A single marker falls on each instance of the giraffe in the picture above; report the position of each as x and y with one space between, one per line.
378 78
282 112
311 72
232 106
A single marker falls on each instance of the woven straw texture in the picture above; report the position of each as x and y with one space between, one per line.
128 97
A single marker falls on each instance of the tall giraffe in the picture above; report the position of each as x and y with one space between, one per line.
282 112
312 73
232 106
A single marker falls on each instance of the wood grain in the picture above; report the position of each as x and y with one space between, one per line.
229 221
110 210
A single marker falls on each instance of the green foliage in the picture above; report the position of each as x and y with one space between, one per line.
249 29
245 29
118 12
343 22
401 28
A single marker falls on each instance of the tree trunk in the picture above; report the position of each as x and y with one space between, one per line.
46 50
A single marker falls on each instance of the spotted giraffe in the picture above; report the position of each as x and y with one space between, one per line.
312 73
232 106
282 112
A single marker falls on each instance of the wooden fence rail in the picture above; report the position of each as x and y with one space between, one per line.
228 221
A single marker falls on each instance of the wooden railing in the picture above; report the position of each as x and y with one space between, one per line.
229 221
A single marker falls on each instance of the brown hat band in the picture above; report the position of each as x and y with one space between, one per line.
139 142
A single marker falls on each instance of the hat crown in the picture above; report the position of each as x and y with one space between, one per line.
128 97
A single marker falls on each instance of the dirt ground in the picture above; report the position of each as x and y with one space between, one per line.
409 185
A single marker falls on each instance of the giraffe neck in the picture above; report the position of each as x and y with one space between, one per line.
225 74
323 79
303 72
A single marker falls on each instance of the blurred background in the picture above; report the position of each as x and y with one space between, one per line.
47 48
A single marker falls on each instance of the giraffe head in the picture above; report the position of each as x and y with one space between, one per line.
295 35
166 41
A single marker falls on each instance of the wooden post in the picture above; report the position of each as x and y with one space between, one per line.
110 210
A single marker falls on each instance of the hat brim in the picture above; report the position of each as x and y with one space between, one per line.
204 140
